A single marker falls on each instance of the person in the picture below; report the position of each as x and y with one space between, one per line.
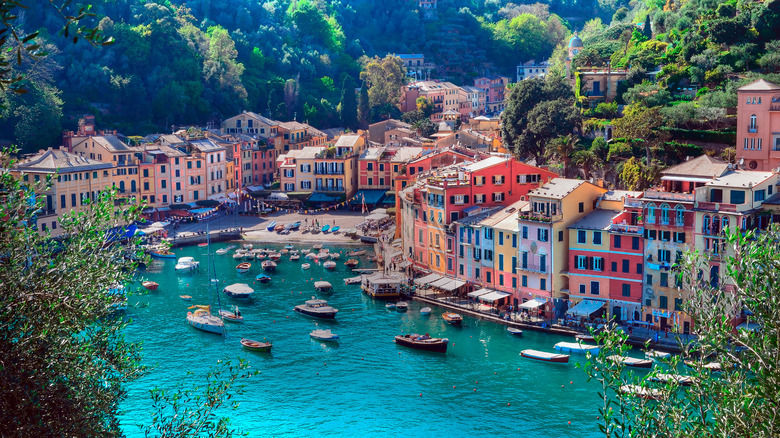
238 312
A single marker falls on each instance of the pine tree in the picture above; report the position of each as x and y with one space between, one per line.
648 30
363 107
348 104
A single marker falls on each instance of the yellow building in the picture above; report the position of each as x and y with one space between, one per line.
76 181
110 149
336 168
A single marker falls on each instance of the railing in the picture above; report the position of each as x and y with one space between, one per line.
532 267
329 189
753 130
633 204
328 172
624 228
541 217
774 107
45 212
669 196
717 206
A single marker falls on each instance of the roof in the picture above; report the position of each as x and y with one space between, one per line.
740 178
109 141
701 166
596 220
297 126
479 217
372 153
54 160
309 152
772 200
484 164
506 218
759 85
171 139
206 145
557 188
259 117
167 150
576 41
406 153
619 195
347 140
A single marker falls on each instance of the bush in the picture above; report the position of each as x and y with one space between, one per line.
207 203
180 207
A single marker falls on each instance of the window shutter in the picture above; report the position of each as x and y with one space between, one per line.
493 195
452 199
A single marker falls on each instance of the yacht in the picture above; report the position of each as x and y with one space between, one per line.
186 264
317 308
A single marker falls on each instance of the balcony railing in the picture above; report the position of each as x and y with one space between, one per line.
328 172
668 196
329 189
541 217
532 267
717 206
45 212
753 130
628 229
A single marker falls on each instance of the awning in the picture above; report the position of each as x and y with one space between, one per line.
254 188
377 216
494 296
388 200
372 196
478 293
405 264
322 197
686 179
427 279
448 284
232 195
585 308
532 304
749 326
440 282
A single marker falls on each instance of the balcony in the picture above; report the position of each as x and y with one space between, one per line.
328 172
541 217
329 189
532 267
717 206
668 196
45 212
752 130
626 229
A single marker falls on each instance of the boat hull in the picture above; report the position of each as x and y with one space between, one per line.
216 329
159 255
514 331
263 347
150 285
435 347
320 315
452 320
544 356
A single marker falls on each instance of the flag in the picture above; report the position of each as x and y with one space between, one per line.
364 209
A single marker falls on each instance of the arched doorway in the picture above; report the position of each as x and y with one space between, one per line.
616 313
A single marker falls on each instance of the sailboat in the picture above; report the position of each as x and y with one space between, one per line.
201 318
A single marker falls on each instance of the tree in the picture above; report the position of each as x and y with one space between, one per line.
744 398
636 175
220 63
64 359
546 121
384 78
648 30
562 149
587 160
364 109
348 105
425 106
641 123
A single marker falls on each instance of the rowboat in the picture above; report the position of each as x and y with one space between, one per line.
305 266
271 226
269 265
203 244
545 356
653 354
424 342
402 306
452 318
262 278
642 392
295 257
322 286
256 345
335 256
185 297
222 251
679 379
329 265
238 290
289 246
390 306
335 229
162 254
248 246
712 366
279 227
514 331
631 361
284 251
324 335
357 253
150 285
425 311
571 347
243 267
351 263
325 228
275 256
234 316
317 247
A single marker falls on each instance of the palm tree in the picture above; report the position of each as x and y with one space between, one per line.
587 160
561 150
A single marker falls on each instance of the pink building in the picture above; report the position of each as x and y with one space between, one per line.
758 125
495 89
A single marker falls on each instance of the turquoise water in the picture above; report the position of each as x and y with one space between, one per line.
364 386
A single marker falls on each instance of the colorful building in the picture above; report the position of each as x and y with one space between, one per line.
758 126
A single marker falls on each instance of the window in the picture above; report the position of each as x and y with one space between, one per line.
581 261
617 241
560 236
679 237
542 235
543 263
663 302
370 166
753 123
737 197
614 266
524 281
542 284
514 240
649 280
626 290
146 173
582 207
581 236
597 237
500 238
634 243
582 289
664 279
759 195
678 304
625 265
525 232
594 287
598 263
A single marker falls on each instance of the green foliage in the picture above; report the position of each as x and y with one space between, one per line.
364 108
561 149
348 107
604 110
384 78
425 106
636 175
65 359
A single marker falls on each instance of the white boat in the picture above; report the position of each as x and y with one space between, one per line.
243 267
352 280
335 256
305 266
202 319
572 347
425 311
402 306
514 331
238 255
322 286
234 316
545 356
269 265
323 255
632 361
390 306
679 379
330 264
324 335
222 251
585 337
654 354
305 251
311 256
248 246
317 308
642 392
295 257
186 264
357 253
275 256
238 290
317 246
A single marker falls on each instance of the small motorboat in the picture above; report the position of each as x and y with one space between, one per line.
162 254
572 347
186 264
275 256
424 342
234 316
305 266
585 338
402 306
249 255
357 253
311 256
222 251
323 255
243 267
279 228
295 257
248 246
545 356
322 286
260 255
317 247
642 392
284 251
452 318
325 228
317 309
238 255
631 361
335 256
425 311
679 379
330 264
256 345
271 226
324 335
203 244
390 306
714 367
352 280
305 251
185 297
269 265
262 278
514 331
238 290
351 263
335 229
289 246
654 354
150 285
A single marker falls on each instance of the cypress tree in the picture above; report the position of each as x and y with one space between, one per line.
363 107
648 31
348 104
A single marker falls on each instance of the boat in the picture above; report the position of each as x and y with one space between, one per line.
275 256
305 251
578 347
294 225
284 251
248 246
425 311
324 335
654 354
335 256
322 286
203 244
452 318
262 278
305 266
249 255
243 267
238 290
357 253
234 316
424 342
295 257
351 263
186 264
545 356
642 392
311 256
162 254
402 306
584 337
150 285
260 255
678 378
632 361
323 255
269 265
222 251
329 265
335 229
712 366
317 309
317 247
202 319
185 297
514 331
390 306
352 280
368 239
289 246
238 255
249 344
278 228
271 226
325 228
